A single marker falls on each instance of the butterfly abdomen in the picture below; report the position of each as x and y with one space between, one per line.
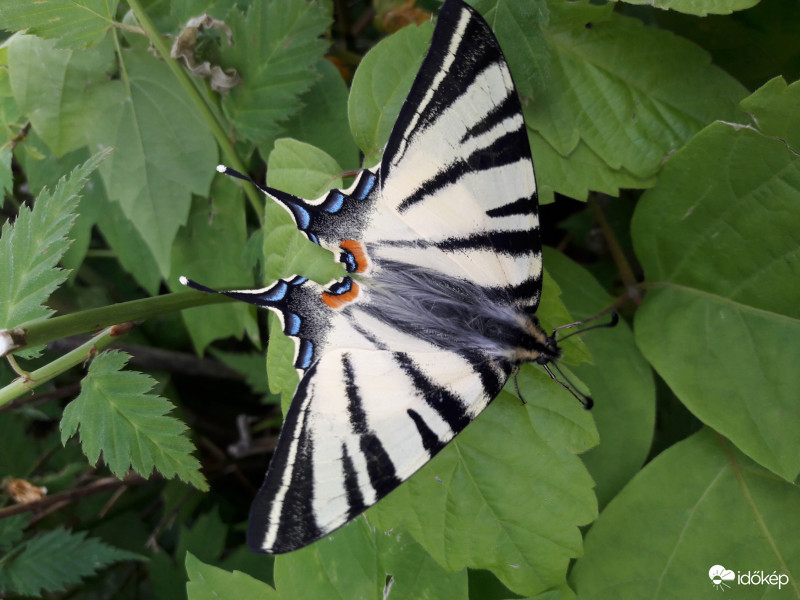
454 314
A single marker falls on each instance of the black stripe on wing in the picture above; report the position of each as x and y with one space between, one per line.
508 108
522 206
505 150
471 52
381 470
295 526
355 499
450 408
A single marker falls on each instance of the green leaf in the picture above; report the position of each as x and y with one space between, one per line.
620 380
277 46
359 562
700 8
129 247
209 249
6 177
53 87
73 23
321 121
700 503
508 494
632 94
380 87
53 561
719 236
165 152
527 55
281 373
43 172
33 245
770 104
583 172
207 582
118 417
308 172
11 530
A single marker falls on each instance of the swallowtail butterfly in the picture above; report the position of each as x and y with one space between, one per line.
442 249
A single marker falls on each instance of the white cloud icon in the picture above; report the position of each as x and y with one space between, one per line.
718 574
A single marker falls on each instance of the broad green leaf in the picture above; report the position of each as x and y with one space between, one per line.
283 377
584 171
620 381
277 46
207 582
31 248
209 249
130 249
699 504
719 245
380 87
308 172
60 90
165 152
322 121
118 417
700 8
527 55
509 493
55 560
633 94
770 104
359 562
72 23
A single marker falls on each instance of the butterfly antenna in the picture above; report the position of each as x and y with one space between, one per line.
612 323
234 173
585 400
516 387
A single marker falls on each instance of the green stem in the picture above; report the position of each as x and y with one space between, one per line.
41 331
23 385
228 151
617 253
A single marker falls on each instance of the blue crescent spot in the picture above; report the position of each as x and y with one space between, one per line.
333 202
341 287
304 354
276 293
298 280
292 324
313 237
364 186
301 215
349 261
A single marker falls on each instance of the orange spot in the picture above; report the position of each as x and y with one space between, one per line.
339 300
359 253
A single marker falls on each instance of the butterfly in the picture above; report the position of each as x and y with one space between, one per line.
442 251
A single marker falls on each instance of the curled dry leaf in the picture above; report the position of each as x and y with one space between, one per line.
23 491
184 47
